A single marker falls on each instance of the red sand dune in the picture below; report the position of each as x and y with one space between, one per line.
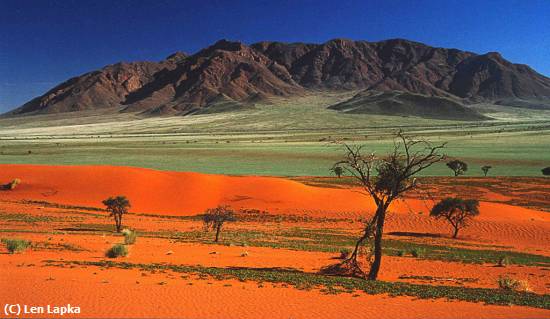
174 193
185 193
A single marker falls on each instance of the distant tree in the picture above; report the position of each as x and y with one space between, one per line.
546 171
456 211
338 171
385 179
458 167
214 218
486 169
117 206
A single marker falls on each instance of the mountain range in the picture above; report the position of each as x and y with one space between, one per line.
392 76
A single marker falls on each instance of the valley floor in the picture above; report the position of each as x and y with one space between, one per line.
289 137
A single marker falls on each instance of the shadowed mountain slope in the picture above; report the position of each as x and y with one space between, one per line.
406 104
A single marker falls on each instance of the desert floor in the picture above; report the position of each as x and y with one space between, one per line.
268 263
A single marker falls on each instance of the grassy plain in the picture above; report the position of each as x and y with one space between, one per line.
285 138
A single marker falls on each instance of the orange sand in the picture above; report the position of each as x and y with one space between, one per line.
127 293
182 193
154 250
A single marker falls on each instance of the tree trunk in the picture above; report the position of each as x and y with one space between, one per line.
217 234
375 267
118 223
455 234
355 252
367 232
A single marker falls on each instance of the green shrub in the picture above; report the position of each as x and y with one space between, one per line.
418 252
11 185
508 283
503 261
15 245
118 250
130 236
400 253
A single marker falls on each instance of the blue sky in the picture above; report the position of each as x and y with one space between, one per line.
45 42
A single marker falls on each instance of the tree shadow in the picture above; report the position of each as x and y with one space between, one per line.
345 268
414 234
278 269
76 229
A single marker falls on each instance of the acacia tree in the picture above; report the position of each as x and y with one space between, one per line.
338 171
214 218
117 206
456 211
384 179
486 169
458 167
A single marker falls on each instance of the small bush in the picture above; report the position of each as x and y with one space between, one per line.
11 185
400 253
417 252
508 283
523 286
130 236
15 245
344 253
503 261
118 250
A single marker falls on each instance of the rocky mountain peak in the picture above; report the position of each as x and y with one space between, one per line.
183 84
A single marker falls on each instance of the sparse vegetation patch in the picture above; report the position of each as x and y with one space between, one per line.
130 236
15 245
336 284
118 250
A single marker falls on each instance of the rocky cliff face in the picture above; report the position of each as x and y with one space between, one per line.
232 71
